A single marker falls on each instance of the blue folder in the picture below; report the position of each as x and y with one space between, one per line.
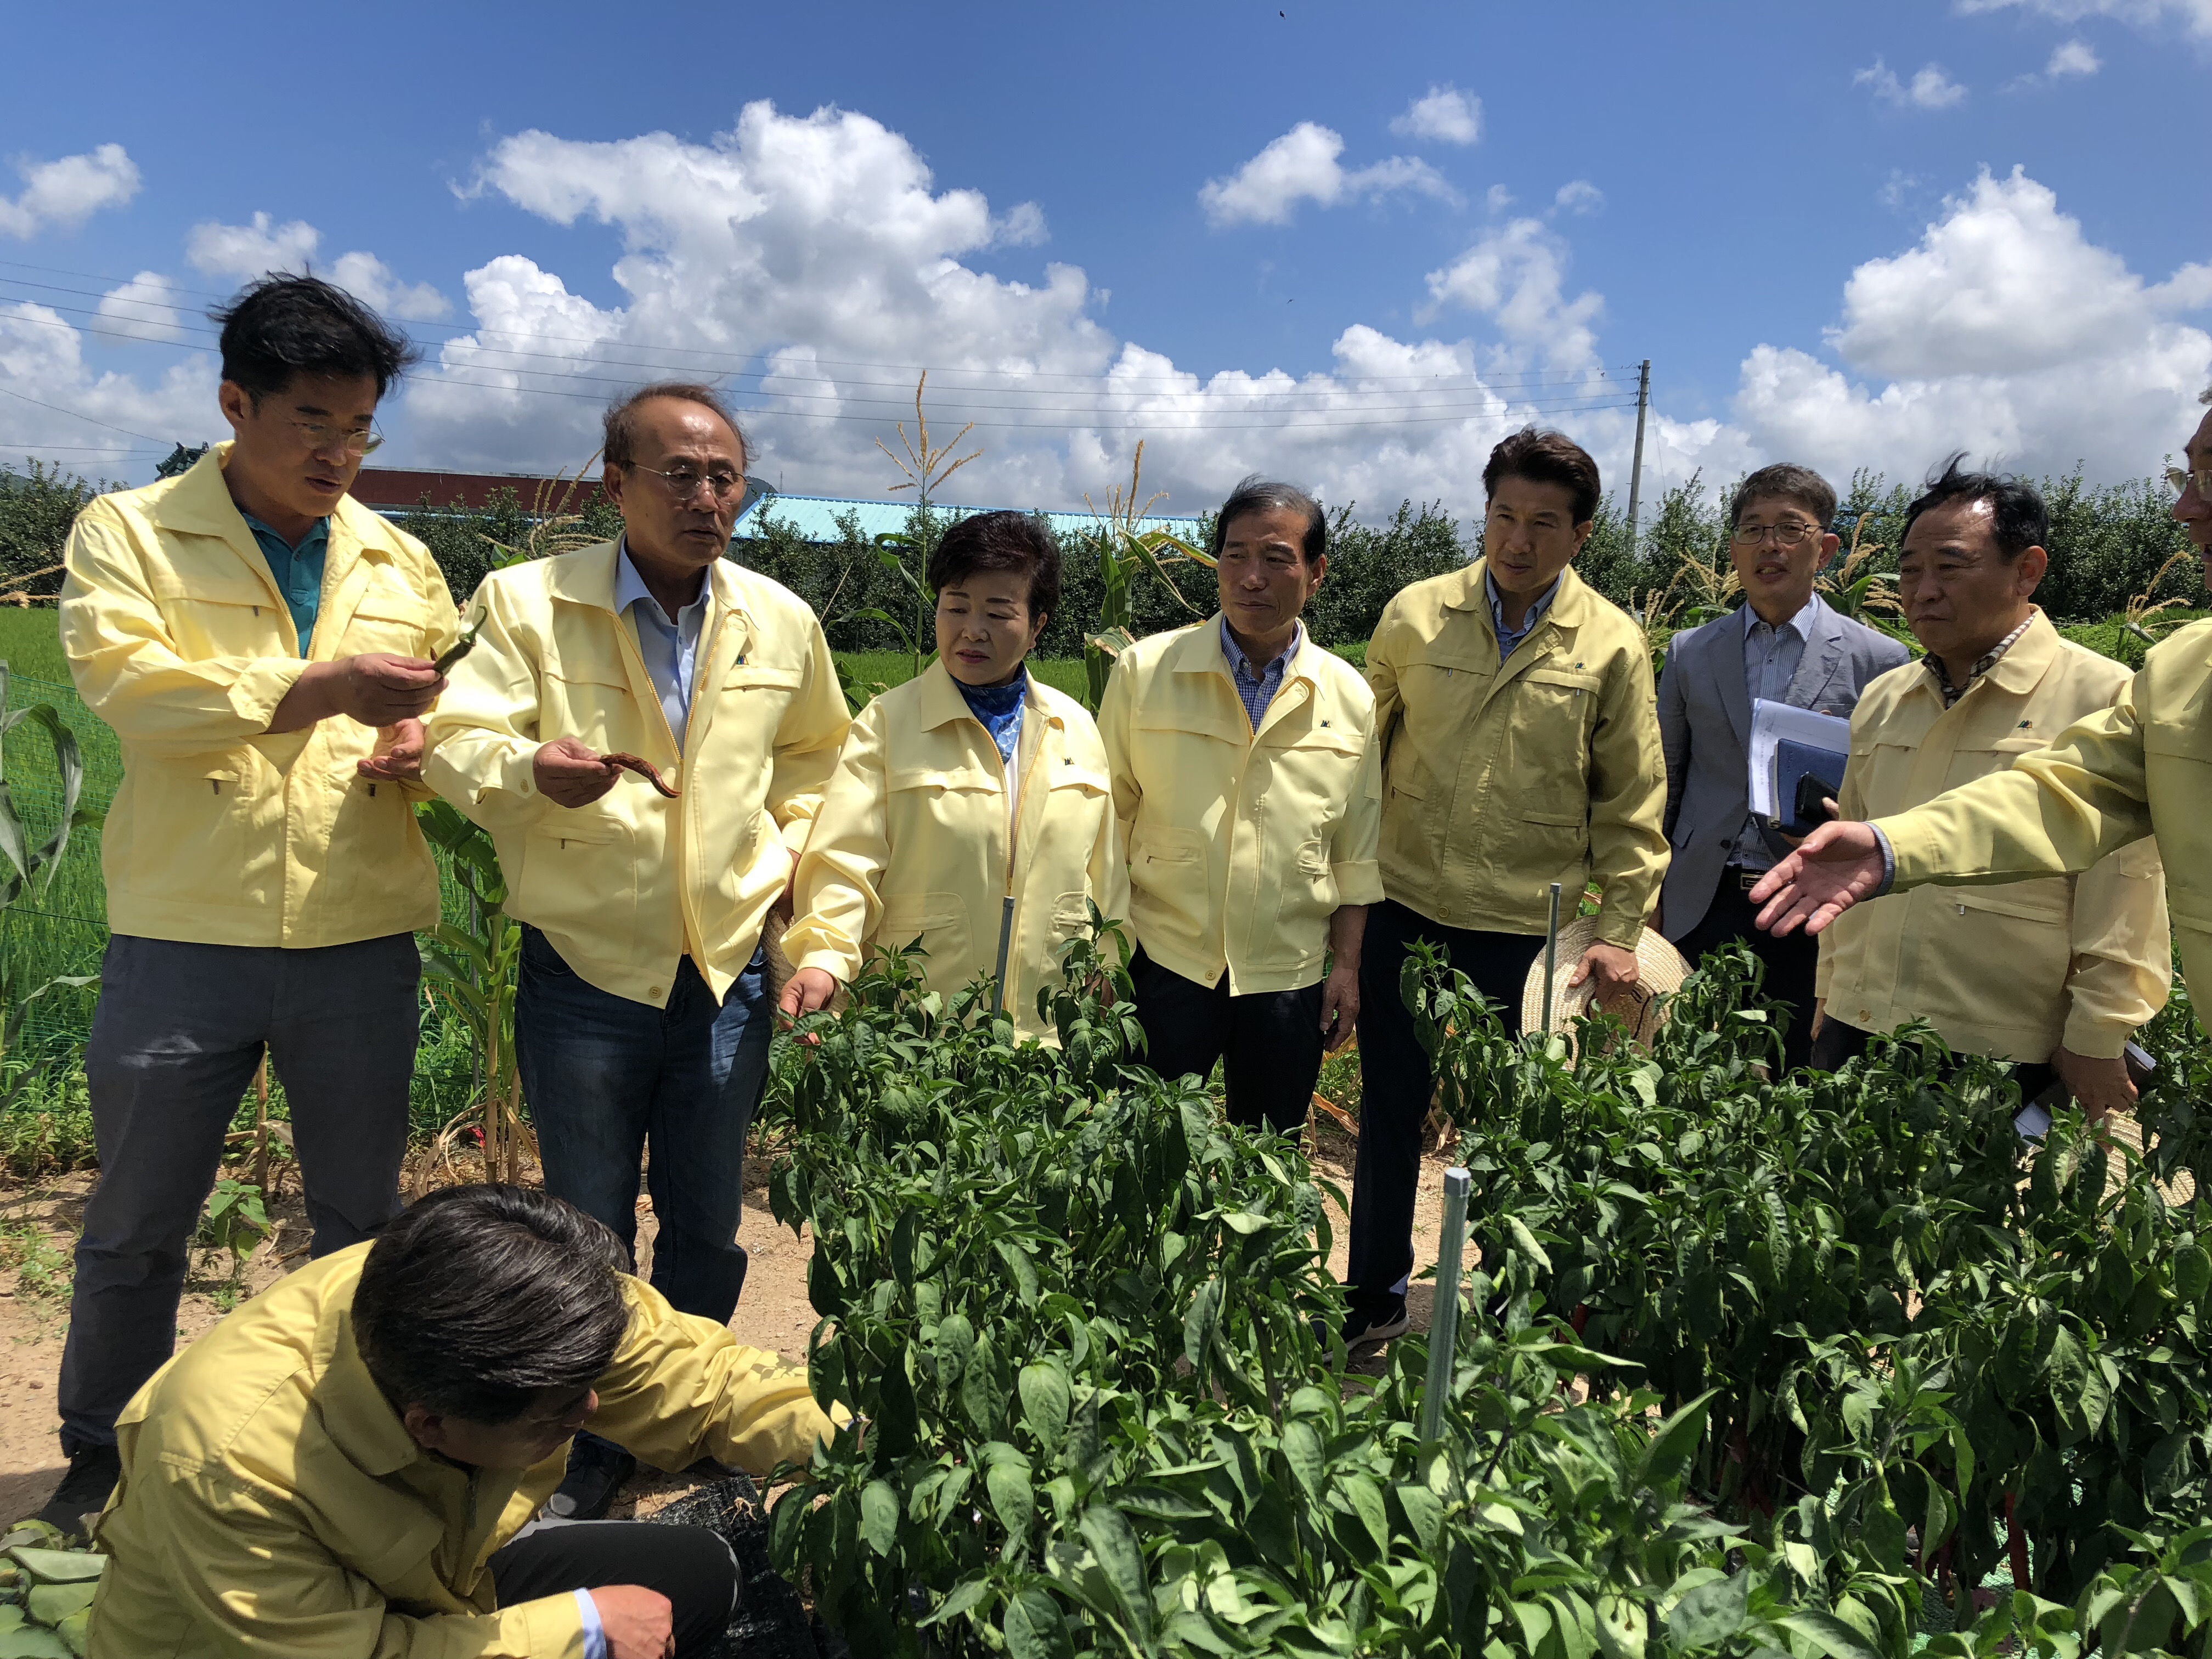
1794 761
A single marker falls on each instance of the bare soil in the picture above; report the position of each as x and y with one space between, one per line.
773 1314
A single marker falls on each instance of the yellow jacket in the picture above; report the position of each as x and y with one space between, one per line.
178 638
912 841
2013 971
1241 844
272 1502
627 887
1500 779
2139 767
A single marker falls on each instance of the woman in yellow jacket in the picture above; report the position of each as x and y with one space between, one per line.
970 809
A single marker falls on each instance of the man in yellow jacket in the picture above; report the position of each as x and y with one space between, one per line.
641 1013
349 1465
262 646
970 809
1521 746
2056 975
2138 769
1242 761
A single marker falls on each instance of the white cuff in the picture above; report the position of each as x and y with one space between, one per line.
595 1633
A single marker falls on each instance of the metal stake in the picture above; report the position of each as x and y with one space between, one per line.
1551 955
1443 1321
1005 938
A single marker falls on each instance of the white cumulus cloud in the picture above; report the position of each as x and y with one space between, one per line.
242 252
1515 276
1930 87
2004 331
1443 115
2071 57
62 194
1578 196
2194 15
1302 166
149 306
247 251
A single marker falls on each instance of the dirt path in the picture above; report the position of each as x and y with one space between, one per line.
774 1313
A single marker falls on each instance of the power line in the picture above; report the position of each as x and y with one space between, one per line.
74 415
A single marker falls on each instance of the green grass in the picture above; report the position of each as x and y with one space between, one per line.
890 668
31 642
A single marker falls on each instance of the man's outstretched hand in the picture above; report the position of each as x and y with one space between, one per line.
1833 869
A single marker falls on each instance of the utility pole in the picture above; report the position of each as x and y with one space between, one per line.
1636 472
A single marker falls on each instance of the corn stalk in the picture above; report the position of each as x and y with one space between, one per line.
1124 551
472 971
2140 608
926 466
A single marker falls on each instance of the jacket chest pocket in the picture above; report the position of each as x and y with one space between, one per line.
958 800
1549 722
589 700
1314 775
388 618
1440 695
235 618
758 692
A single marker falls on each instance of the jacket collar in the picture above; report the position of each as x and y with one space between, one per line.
356 1416
2025 664
1199 651
938 693
197 503
1571 599
587 576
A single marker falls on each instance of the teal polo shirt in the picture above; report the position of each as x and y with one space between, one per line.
298 570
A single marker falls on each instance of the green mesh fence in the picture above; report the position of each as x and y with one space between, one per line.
61 929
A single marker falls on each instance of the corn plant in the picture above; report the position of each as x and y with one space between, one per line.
1124 550
472 971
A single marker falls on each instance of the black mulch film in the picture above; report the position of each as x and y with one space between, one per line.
772 1622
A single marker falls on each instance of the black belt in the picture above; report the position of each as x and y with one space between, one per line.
1745 878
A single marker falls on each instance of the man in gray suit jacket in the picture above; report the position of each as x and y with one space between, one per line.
1786 645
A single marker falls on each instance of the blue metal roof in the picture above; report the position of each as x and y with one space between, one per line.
815 516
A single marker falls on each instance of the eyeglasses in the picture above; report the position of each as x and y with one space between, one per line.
355 441
1785 534
2182 482
685 481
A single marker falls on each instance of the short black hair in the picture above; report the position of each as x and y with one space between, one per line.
618 426
1259 495
281 327
1020 542
2019 518
477 1298
1543 456
1786 481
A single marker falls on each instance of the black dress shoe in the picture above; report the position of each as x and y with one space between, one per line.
83 1492
1376 1319
597 1470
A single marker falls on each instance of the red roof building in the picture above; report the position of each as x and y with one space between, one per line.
399 489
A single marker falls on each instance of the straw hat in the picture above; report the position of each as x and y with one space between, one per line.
1660 968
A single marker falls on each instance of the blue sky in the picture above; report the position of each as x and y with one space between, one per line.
1855 235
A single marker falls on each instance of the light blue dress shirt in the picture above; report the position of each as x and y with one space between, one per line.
298 570
670 649
1509 639
595 1632
1256 686
1771 657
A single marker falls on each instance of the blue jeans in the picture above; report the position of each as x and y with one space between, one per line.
605 1076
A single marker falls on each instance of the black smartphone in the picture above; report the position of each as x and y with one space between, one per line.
1811 806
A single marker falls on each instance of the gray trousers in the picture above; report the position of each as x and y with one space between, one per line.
175 1039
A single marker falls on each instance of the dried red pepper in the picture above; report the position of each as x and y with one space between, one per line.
644 768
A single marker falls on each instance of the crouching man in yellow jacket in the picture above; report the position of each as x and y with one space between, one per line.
347 1467
247 629
641 1010
1244 763
972 808
2056 975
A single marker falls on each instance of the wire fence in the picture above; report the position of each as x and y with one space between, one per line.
59 928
